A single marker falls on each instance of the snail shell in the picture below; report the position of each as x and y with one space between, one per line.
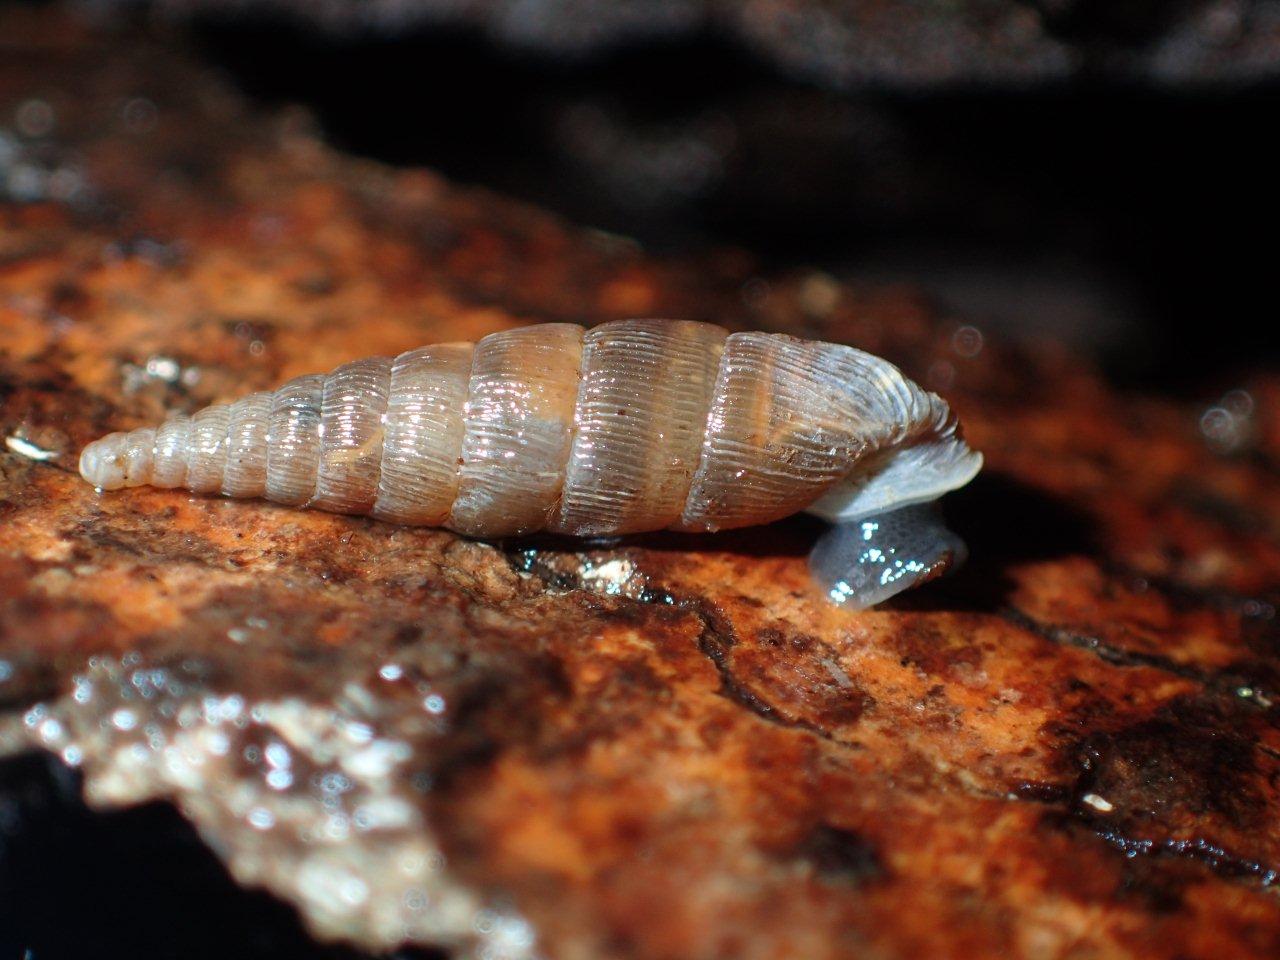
631 426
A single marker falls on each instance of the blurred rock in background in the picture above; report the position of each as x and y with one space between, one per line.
674 747
1082 169
838 45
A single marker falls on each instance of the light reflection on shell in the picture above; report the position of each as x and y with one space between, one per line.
632 426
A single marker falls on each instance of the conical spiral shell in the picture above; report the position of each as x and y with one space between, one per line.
631 426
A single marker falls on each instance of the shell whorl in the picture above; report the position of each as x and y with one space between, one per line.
631 426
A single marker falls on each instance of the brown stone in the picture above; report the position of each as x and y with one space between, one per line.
667 748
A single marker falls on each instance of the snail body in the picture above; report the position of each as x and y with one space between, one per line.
631 426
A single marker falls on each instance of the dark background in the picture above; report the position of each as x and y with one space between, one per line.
1130 216
1112 206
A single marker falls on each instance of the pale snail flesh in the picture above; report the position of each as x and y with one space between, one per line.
631 426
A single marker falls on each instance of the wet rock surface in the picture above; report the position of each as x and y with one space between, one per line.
668 747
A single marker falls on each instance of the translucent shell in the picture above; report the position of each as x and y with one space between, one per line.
207 449
247 425
638 425
169 466
781 430
518 426
422 446
632 426
352 405
293 440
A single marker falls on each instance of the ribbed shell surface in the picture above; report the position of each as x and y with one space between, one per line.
518 425
786 422
294 443
352 405
207 461
634 425
247 429
641 410
422 447
169 468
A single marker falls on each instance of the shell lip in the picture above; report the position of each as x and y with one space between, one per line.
882 490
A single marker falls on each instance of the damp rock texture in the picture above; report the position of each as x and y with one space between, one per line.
668 747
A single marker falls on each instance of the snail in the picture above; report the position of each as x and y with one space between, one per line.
628 427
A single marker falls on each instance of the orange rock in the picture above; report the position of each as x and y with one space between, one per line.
672 747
